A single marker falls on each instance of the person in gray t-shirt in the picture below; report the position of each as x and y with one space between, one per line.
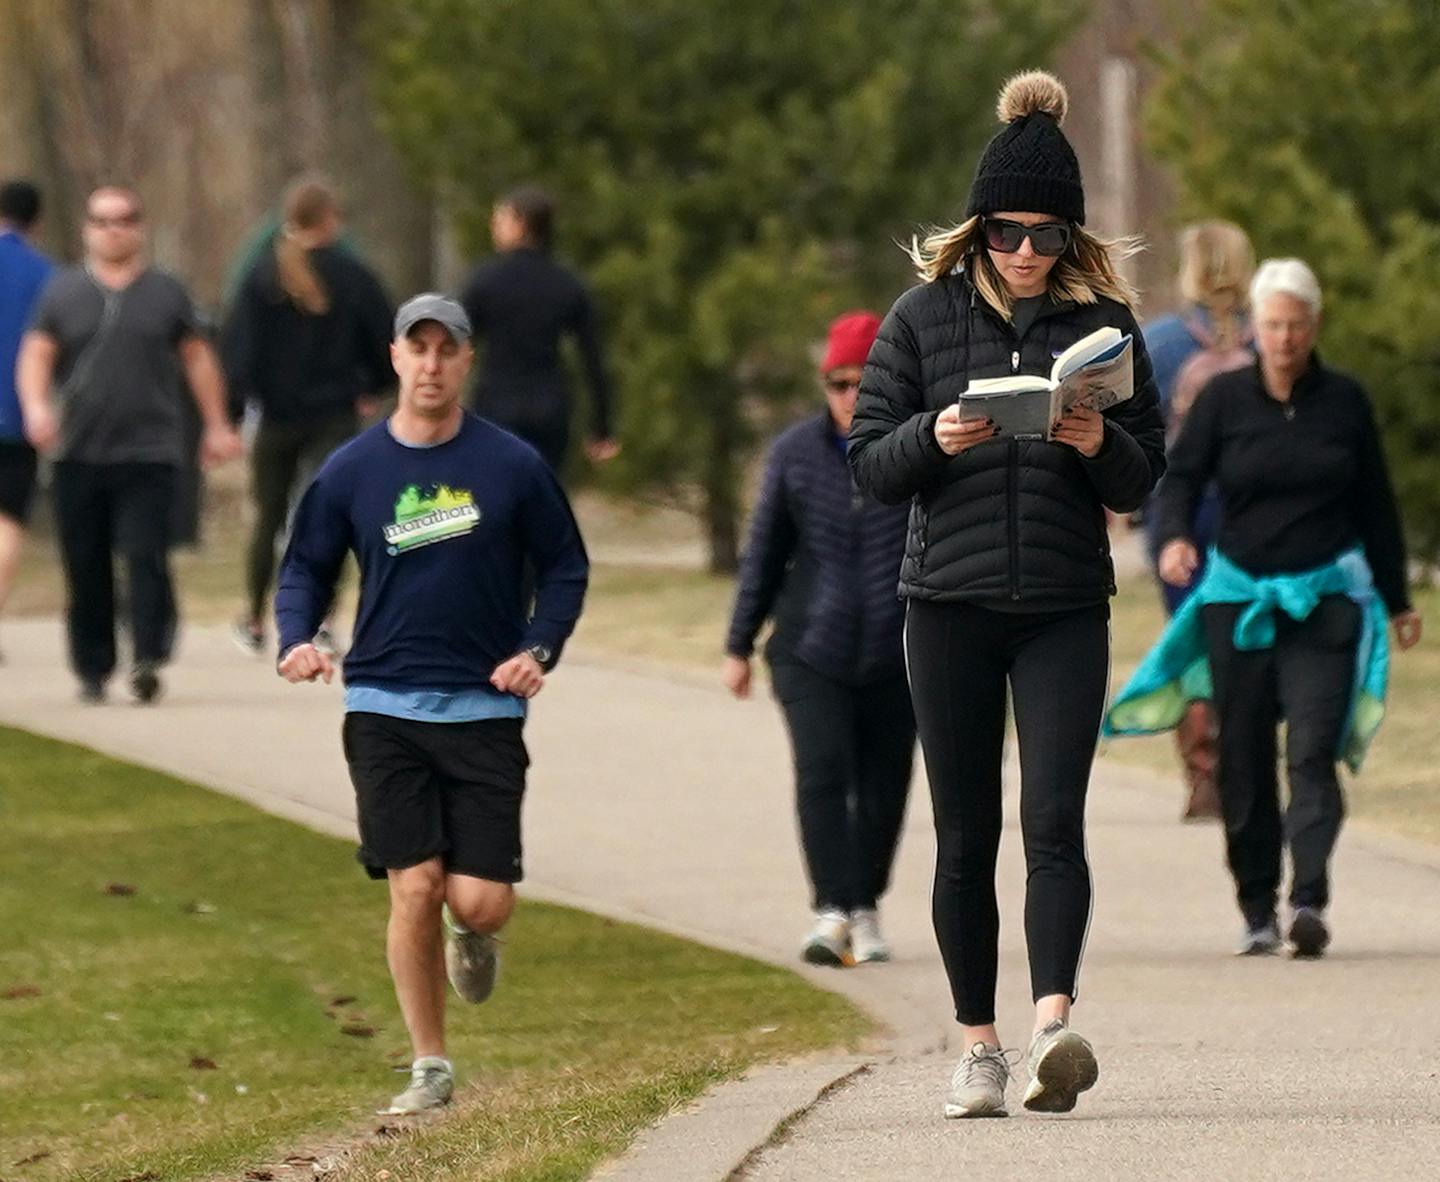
111 349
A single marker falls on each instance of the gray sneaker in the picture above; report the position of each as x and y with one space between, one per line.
1261 938
978 1086
472 961
1062 1065
432 1081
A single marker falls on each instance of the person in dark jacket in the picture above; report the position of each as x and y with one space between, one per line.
821 560
522 302
308 342
1308 520
1007 568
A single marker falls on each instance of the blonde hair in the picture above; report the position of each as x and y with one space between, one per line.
1217 264
1083 274
308 203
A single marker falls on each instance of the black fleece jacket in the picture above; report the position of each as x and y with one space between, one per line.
1013 525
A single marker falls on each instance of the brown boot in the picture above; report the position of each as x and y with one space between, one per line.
1198 736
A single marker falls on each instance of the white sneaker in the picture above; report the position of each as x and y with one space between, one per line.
865 939
978 1086
829 940
472 960
432 1081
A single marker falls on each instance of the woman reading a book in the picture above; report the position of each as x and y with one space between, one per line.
1007 567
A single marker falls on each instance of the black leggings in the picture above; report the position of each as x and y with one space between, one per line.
854 748
1057 665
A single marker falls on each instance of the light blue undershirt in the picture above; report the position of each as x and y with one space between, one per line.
468 705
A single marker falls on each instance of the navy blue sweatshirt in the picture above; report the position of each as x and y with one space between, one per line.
441 535
824 560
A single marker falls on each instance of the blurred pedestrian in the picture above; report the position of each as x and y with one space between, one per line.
1007 571
1210 335
112 348
23 273
1289 621
522 303
307 342
442 510
822 561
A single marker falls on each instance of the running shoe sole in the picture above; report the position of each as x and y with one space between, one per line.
980 1111
1309 936
1066 1069
472 962
823 954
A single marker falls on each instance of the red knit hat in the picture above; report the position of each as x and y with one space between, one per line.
851 336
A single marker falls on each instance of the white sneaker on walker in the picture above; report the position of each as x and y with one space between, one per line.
866 942
829 939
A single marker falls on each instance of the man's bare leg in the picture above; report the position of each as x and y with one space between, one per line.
416 953
12 537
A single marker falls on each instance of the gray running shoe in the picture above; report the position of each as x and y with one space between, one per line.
432 1081
866 942
472 961
1261 938
1062 1065
828 942
977 1088
1309 936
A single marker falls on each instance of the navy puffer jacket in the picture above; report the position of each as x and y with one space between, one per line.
822 559
1018 525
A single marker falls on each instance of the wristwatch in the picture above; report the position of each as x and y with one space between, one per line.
542 655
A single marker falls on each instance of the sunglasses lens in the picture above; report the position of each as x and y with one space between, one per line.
1004 236
1050 240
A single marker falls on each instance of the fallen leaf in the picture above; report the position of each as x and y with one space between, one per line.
355 1030
342 1001
259 1176
301 1159
15 992
119 888
200 1063
33 1158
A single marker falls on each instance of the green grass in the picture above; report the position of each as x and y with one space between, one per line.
241 938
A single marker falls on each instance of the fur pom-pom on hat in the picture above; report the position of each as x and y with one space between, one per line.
1031 92
1029 166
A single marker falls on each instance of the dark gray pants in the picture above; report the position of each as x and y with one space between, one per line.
854 747
102 510
1305 680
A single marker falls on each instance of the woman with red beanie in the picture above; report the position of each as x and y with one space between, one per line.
822 561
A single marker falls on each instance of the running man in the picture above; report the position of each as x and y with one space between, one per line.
442 510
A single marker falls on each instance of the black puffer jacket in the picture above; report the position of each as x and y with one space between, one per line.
1016 525
822 559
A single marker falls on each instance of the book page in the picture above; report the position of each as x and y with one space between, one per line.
1088 348
1107 380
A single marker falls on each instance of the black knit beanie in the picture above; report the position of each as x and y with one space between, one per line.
1030 167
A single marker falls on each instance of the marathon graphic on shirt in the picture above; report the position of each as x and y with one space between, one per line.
424 516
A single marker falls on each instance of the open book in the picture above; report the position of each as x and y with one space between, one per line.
1097 371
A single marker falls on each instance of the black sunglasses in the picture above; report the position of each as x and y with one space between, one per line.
1051 239
841 385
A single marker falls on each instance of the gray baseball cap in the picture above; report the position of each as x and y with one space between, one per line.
431 305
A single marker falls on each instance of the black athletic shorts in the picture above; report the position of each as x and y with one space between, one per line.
451 789
17 479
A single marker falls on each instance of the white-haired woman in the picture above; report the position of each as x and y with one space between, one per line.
1007 569
1309 562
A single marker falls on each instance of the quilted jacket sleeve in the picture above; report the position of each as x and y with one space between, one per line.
1131 460
892 448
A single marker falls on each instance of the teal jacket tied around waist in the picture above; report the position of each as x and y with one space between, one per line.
1177 670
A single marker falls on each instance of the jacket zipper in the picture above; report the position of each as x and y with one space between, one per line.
1012 499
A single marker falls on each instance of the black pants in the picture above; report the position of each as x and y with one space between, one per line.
854 748
1306 679
103 509
285 455
1057 666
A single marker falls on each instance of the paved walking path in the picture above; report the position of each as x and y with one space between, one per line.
658 799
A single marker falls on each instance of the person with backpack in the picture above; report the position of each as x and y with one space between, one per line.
1007 572
821 560
1209 336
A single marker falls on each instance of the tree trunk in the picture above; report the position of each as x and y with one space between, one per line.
720 478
